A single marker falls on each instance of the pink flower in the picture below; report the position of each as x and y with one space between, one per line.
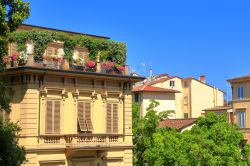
110 65
91 64
104 66
14 57
121 68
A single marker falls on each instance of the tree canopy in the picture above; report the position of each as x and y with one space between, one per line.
10 153
12 14
211 142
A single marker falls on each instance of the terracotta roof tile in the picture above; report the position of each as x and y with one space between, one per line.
218 108
239 78
148 88
177 123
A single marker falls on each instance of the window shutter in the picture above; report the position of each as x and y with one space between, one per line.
108 118
57 117
81 116
49 114
88 116
115 118
49 51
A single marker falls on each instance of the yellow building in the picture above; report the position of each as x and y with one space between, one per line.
241 103
186 96
70 116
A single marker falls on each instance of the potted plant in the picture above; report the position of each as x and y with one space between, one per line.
22 58
108 67
79 64
120 68
14 60
90 65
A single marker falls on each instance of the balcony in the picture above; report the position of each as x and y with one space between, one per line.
82 140
61 64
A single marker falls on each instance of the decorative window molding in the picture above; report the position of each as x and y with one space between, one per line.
92 94
107 94
44 92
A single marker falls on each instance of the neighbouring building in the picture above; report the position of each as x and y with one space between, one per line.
186 96
241 103
178 124
75 113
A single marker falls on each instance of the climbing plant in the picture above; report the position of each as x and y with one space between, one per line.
107 49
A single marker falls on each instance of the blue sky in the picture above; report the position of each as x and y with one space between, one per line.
178 37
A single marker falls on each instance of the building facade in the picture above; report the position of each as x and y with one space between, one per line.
241 103
186 96
70 116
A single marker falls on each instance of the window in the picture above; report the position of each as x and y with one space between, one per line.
52 124
242 119
241 93
84 116
51 51
171 83
185 115
185 100
137 97
112 118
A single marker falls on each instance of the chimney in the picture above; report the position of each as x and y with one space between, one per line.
202 78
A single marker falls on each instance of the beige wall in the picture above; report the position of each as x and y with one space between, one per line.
203 96
178 96
166 101
28 99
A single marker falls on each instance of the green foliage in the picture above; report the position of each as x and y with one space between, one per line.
10 153
4 98
12 14
108 49
144 129
211 142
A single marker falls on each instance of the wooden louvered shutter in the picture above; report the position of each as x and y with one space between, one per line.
57 117
115 118
109 118
49 51
49 117
88 116
81 116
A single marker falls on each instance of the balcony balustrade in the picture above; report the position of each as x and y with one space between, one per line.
81 139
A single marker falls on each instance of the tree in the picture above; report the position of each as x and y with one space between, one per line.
144 128
211 142
10 153
12 14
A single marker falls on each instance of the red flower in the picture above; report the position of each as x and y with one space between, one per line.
5 59
91 64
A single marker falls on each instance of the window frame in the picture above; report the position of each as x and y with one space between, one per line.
172 82
79 130
241 92
241 115
112 117
53 116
